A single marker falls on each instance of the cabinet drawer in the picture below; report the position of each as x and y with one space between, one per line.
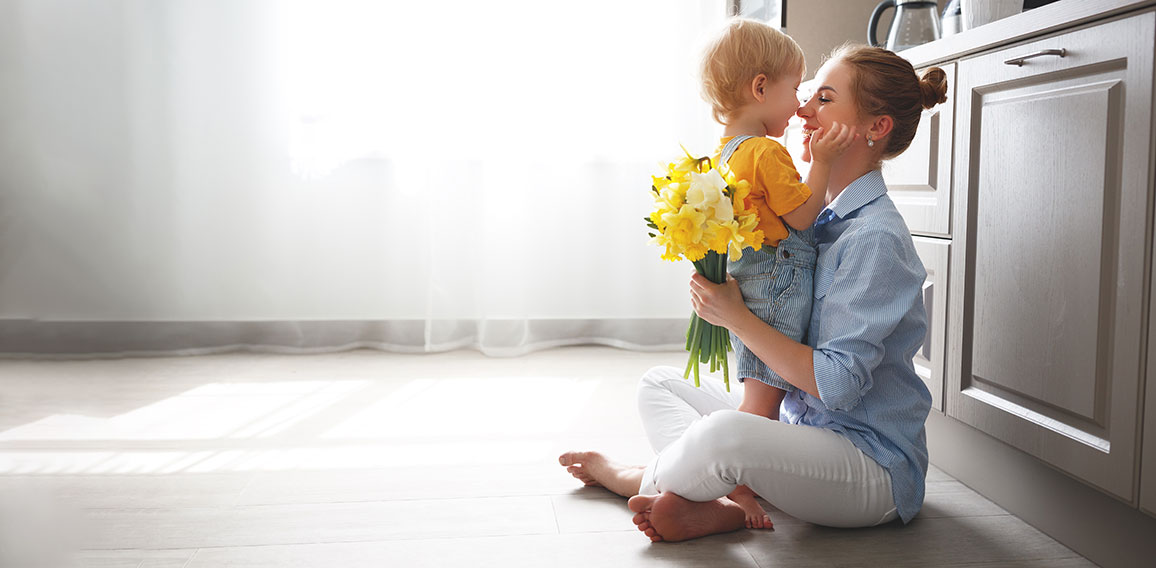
929 361
1052 189
919 179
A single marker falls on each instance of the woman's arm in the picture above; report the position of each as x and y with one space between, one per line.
876 285
722 304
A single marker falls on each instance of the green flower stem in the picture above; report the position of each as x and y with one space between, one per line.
694 360
714 349
705 352
695 331
708 343
690 330
725 364
689 364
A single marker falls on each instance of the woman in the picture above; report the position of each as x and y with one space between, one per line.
849 449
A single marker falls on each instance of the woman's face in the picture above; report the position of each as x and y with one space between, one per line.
832 101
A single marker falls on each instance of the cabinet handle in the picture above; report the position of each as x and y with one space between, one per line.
1019 61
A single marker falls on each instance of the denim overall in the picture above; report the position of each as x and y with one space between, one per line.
778 285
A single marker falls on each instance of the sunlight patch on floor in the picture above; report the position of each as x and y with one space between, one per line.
309 425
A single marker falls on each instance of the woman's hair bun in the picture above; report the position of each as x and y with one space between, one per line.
933 87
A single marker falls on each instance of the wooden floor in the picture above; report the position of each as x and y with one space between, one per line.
373 459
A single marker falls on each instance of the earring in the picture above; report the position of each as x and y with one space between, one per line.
870 142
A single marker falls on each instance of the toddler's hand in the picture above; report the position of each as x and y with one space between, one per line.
826 145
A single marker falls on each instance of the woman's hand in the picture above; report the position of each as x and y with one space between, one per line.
719 304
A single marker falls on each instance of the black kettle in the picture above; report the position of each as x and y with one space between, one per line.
915 22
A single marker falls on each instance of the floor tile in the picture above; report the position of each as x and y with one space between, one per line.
924 542
383 484
592 510
137 491
556 551
133 559
954 499
152 529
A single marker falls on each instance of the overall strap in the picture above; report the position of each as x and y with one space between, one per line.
730 147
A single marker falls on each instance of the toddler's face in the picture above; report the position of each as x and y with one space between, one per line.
781 101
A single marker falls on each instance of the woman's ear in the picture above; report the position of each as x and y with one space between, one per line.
759 87
880 127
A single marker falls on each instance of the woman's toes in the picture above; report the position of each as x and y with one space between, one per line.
641 503
581 474
574 458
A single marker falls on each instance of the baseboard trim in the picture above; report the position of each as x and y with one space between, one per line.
1095 525
62 339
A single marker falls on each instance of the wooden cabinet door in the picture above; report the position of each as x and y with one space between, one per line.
1148 452
929 360
919 179
1051 218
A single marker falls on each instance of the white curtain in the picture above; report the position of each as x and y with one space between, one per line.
472 173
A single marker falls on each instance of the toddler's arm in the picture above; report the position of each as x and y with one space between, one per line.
825 146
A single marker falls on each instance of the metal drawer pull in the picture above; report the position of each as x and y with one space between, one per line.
1019 61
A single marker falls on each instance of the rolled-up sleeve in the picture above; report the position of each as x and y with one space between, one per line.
872 289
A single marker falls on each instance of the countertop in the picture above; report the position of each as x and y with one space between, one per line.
1022 26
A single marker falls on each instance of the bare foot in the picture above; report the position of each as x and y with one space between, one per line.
756 517
593 469
670 518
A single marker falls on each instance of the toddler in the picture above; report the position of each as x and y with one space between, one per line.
750 76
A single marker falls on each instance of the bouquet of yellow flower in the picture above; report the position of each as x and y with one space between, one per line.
701 215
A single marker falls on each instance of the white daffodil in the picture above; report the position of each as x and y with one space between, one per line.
706 194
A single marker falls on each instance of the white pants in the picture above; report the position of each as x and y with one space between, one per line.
706 448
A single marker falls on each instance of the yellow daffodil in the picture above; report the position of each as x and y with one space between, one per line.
671 196
659 182
671 250
695 251
689 163
748 235
739 193
685 226
720 236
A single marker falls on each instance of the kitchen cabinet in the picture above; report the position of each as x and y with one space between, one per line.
919 183
919 179
1050 227
1148 450
929 361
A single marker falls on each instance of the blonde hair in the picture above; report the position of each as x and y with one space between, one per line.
886 84
742 51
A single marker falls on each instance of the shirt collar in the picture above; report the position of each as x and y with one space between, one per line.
869 187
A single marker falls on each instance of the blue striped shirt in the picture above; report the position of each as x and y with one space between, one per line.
867 322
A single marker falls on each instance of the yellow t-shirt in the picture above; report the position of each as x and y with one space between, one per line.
776 188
